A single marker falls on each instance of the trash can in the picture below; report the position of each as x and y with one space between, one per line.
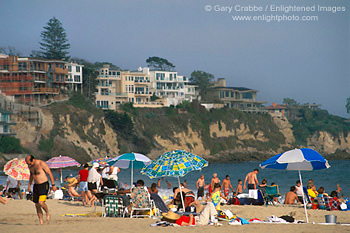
331 219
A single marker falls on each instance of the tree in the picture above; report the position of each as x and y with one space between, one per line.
290 102
202 80
159 63
347 105
55 43
10 51
9 144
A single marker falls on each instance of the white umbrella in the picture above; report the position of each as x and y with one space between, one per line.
297 160
130 160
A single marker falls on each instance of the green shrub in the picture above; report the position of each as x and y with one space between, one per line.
9 144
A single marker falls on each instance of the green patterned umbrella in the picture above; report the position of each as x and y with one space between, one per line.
175 164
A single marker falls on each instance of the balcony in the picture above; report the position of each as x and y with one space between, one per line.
104 85
118 77
141 81
43 90
143 93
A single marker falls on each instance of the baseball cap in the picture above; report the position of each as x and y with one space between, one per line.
95 165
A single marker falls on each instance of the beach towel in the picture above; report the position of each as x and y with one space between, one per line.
253 193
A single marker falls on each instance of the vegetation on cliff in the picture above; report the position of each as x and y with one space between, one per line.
313 121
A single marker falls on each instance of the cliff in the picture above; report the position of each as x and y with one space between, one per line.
222 135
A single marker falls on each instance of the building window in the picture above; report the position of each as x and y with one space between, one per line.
69 68
171 77
57 78
61 65
77 78
227 94
56 65
77 68
247 95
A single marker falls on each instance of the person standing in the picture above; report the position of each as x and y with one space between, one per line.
38 172
93 179
214 180
200 186
252 179
226 185
83 185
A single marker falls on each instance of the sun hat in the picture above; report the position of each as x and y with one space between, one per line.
171 215
95 165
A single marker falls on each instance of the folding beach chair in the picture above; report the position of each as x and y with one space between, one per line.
271 193
143 212
112 206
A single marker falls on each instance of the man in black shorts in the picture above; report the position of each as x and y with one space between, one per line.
38 172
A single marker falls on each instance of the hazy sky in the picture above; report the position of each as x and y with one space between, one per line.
305 60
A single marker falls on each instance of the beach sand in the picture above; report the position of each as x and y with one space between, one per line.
20 216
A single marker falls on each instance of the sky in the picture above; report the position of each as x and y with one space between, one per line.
304 55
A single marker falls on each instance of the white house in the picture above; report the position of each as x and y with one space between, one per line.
75 76
171 86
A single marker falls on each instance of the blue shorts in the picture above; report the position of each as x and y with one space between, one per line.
83 186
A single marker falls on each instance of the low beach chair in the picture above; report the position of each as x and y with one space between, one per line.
143 212
112 206
271 193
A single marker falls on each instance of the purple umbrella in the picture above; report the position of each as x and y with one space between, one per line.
61 162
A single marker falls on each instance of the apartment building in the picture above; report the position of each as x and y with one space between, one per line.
74 78
240 98
171 86
31 80
5 123
116 87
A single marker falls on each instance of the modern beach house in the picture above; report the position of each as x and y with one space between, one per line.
116 87
241 98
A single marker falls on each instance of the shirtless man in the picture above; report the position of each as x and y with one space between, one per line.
214 180
252 179
200 186
38 172
226 185
291 196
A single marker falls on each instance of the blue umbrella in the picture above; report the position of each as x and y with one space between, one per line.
297 160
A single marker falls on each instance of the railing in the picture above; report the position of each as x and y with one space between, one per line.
104 85
142 81
45 90
143 93
108 76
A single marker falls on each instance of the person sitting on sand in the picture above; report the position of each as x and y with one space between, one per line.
153 188
291 197
2 200
208 213
312 191
72 182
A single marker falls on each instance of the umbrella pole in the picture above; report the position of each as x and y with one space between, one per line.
60 171
302 189
132 173
182 199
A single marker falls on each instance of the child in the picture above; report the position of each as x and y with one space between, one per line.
239 188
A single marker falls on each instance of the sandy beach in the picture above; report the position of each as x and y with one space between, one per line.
20 216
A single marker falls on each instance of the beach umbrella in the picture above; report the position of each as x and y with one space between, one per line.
297 160
130 160
17 168
175 163
60 162
100 161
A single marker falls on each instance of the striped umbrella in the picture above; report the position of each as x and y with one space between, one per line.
297 160
62 162
17 168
